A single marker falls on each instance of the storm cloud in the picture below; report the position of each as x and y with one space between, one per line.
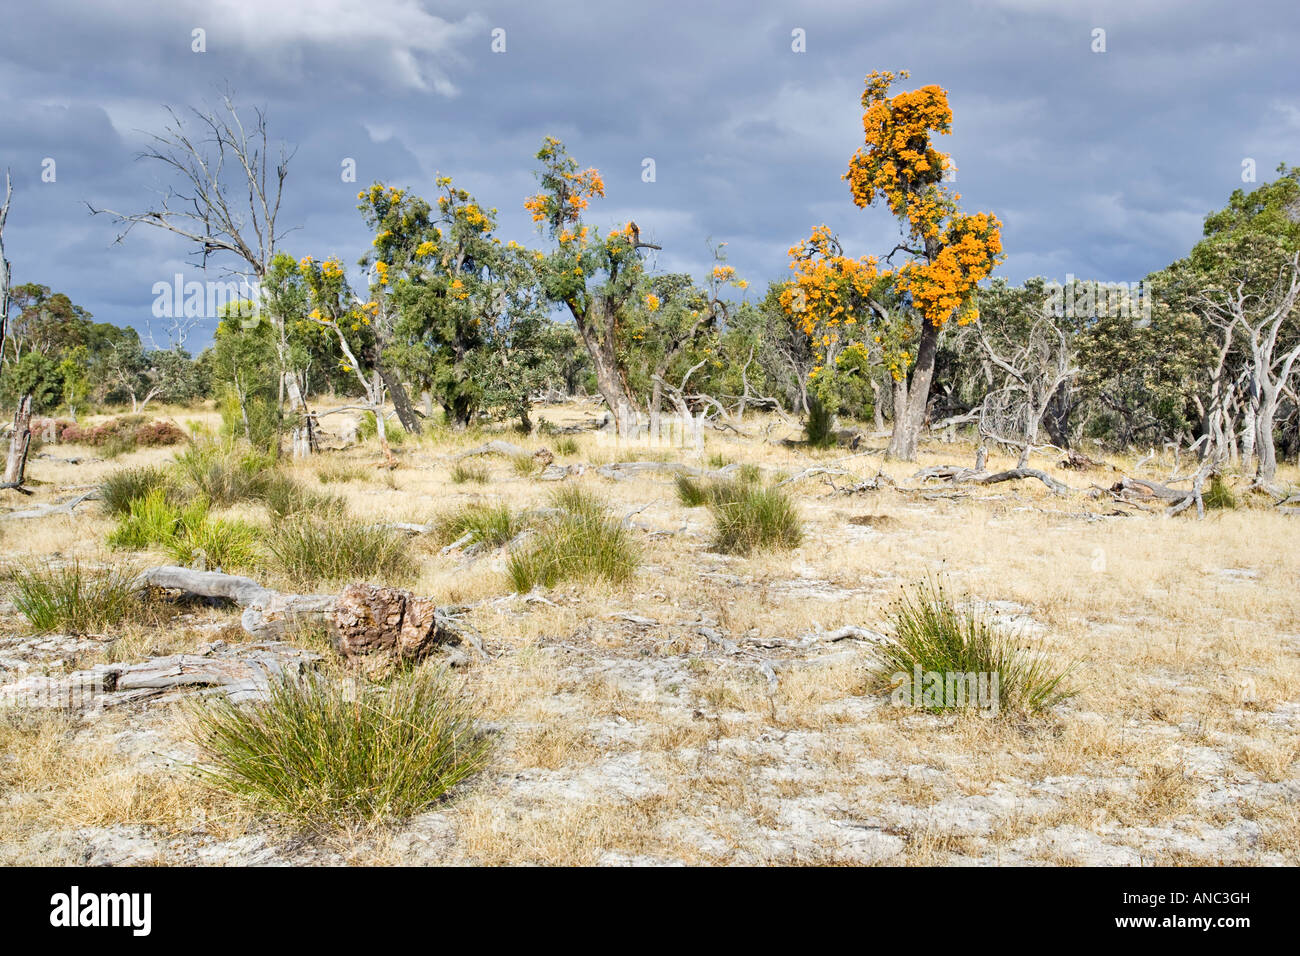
1100 164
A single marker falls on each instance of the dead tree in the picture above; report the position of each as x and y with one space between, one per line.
227 200
1034 366
4 266
20 441
1260 319
21 438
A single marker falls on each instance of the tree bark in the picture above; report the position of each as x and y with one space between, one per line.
912 396
19 442
401 400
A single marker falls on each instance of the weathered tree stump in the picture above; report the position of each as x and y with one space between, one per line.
367 624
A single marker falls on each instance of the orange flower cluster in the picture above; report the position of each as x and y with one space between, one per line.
941 287
899 162
829 290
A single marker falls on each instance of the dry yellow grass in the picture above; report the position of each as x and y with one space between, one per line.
627 741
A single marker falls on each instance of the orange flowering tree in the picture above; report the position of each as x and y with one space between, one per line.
673 332
947 253
598 279
830 300
339 312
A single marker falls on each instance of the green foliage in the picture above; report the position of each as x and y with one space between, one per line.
691 492
820 428
126 485
368 429
34 374
751 516
931 633
312 551
568 446
204 541
152 520
73 599
225 472
329 754
1220 494
490 524
580 541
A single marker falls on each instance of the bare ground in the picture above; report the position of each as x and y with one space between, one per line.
698 715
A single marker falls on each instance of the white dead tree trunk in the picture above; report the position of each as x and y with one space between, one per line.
218 210
21 438
1034 368
1261 320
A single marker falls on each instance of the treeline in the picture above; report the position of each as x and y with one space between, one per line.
1110 365
1201 355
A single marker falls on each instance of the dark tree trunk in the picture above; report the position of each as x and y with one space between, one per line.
401 400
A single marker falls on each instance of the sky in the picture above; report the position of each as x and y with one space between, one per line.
1101 152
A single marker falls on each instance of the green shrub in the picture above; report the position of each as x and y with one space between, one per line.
463 472
212 542
284 496
224 472
393 430
491 525
567 445
1219 494
820 427
753 517
692 492
73 599
121 487
313 550
328 754
579 541
932 634
150 520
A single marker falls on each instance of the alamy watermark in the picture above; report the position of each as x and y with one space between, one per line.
1088 298
947 690
210 299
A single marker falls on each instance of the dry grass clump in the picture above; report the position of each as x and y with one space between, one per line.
580 541
329 753
312 550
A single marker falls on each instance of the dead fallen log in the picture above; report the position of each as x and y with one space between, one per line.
495 447
959 475
242 672
42 511
366 624
622 470
1145 490
1014 474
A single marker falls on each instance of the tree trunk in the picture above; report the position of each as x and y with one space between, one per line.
1266 449
604 360
19 442
912 396
401 400
426 396
656 409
